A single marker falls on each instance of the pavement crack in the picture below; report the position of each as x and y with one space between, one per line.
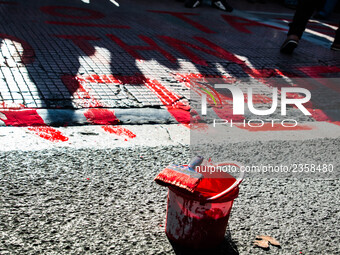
167 131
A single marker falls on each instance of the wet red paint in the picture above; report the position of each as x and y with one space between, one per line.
64 23
179 110
78 91
101 116
119 131
319 74
49 133
22 118
31 119
72 12
183 16
275 127
224 109
191 222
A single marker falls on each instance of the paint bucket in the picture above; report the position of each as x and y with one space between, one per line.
199 220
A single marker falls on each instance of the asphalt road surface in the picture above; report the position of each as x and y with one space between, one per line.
104 201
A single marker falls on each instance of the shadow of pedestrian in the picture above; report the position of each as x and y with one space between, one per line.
227 247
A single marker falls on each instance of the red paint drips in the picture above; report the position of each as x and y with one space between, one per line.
49 133
101 117
119 131
31 119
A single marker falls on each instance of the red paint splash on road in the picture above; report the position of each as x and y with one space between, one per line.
31 119
94 115
22 118
101 117
72 12
49 133
119 131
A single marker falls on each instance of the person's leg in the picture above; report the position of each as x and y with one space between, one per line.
302 14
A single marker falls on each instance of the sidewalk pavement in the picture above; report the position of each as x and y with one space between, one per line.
70 63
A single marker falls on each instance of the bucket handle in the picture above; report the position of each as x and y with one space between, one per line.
235 184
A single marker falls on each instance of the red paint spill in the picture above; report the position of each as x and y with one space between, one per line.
49 133
275 127
101 116
319 73
31 119
23 118
72 12
335 122
119 131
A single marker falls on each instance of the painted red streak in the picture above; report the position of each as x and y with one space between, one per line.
180 111
23 118
275 127
183 16
224 111
31 119
119 131
94 116
77 90
319 73
49 133
72 12
241 24
62 23
101 116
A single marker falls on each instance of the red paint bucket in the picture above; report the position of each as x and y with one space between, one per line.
199 219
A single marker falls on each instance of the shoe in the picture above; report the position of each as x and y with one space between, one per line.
222 5
335 46
289 46
192 3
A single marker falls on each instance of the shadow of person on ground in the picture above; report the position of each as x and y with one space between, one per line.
227 247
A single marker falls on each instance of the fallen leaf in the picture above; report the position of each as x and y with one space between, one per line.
262 244
270 239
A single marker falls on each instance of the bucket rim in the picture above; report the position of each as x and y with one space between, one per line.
231 191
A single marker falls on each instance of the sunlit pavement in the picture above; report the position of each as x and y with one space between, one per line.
70 62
